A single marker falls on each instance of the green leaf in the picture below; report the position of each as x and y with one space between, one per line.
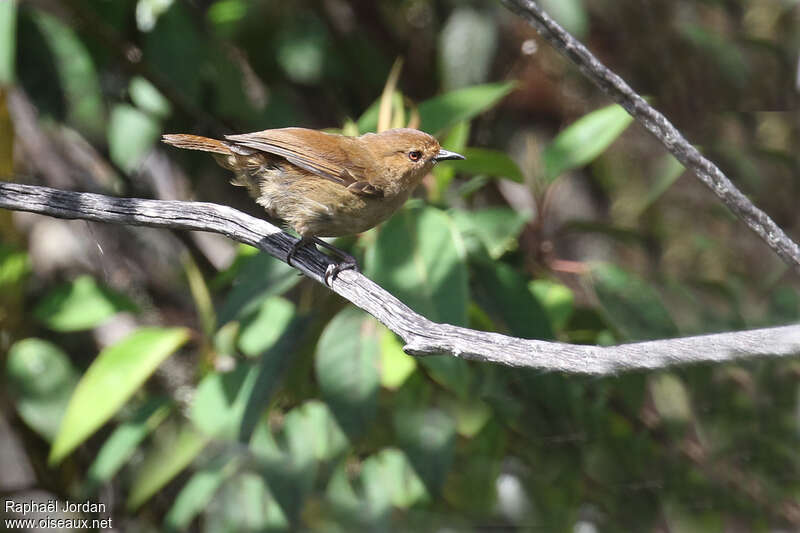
670 398
148 98
584 140
420 258
14 266
504 293
262 329
395 365
195 496
114 376
245 503
489 162
450 108
428 438
8 44
467 45
259 276
389 480
77 74
131 135
557 299
569 13
633 306
40 380
175 450
668 171
456 141
346 367
125 440
80 304
221 400
497 228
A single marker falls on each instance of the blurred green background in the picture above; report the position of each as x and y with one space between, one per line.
192 384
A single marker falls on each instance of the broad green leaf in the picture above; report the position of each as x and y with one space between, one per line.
456 141
148 12
346 367
148 98
40 380
569 13
471 415
224 13
289 473
497 228
489 162
114 376
670 398
419 257
632 305
14 266
428 438
259 276
450 108
77 74
175 450
131 135
557 300
125 440
395 365
312 432
8 41
390 481
503 293
245 503
262 329
80 304
221 399
195 496
668 171
584 140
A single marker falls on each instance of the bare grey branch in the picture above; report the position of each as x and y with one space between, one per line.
422 336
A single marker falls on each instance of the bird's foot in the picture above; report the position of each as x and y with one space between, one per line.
334 268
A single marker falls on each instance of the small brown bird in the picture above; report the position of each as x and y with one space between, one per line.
322 184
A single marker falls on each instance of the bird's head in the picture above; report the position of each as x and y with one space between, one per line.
406 155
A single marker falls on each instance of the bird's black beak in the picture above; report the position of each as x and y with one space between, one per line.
444 155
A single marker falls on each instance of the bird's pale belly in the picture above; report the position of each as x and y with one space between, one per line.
341 213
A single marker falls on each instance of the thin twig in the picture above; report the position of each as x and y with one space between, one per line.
422 336
658 125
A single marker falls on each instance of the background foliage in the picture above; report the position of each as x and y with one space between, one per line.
188 383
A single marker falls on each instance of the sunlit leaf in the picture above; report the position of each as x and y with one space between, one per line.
427 437
264 327
131 135
632 305
148 98
497 228
221 399
77 74
125 440
489 162
557 300
395 365
346 367
80 304
450 108
172 453
195 496
390 481
8 41
245 502
584 140
116 373
40 380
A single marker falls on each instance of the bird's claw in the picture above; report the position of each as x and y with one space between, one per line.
333 269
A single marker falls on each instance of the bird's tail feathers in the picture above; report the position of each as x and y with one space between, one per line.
196 142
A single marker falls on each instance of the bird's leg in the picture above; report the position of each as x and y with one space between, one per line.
346 261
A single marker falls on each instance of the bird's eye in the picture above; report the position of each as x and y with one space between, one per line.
414 155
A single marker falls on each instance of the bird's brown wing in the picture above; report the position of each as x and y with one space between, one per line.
322 154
